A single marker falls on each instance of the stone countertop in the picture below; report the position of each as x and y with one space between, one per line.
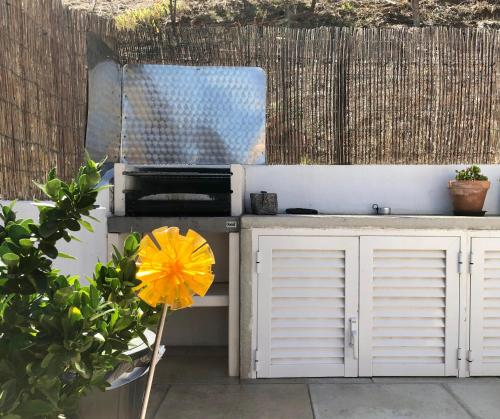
325 221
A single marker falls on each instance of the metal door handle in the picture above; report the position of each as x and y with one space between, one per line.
353 340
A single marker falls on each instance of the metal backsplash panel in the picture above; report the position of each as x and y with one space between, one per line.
104 111
193 115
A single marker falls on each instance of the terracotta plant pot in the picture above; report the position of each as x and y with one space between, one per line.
468 195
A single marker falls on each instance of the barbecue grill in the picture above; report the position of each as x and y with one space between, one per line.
188 191
178 137
205 198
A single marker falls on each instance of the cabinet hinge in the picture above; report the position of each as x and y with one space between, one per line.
469 356
460 354
472 261
256 360
460 262
258 260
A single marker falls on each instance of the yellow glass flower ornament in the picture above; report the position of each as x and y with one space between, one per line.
174 268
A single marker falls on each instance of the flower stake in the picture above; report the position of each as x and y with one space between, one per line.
171 268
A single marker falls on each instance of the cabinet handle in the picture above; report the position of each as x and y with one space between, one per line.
353 340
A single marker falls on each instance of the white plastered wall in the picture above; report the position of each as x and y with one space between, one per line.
407 189
91 249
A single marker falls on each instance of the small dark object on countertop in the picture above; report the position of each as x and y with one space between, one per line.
381 210
301 211
264 203
469 213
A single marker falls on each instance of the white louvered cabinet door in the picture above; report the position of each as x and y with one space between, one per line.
307 300
484 353
409 306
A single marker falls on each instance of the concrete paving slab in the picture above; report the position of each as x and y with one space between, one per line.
266 401
434 380
193 370
384 401
325 380
482 400
340 380
156 398
259 381
193 351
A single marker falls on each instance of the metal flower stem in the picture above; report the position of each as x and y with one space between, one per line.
154 361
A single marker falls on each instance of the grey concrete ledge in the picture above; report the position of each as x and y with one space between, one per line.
372 221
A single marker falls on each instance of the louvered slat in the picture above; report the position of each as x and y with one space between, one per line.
307 302
307 332
309 273
309 312
311 292
414 332
301 342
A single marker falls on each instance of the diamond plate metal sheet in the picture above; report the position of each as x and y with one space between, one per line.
104 111
193 115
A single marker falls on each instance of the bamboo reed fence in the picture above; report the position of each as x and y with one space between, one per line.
335 95
43 91
356 96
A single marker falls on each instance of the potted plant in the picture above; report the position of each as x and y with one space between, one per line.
468 191
60 338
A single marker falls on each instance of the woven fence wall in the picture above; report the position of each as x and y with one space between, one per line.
335 96
43 91
356 96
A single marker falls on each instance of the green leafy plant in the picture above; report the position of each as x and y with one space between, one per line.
150 15
59 338
470 173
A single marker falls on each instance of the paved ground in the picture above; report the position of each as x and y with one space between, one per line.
195 386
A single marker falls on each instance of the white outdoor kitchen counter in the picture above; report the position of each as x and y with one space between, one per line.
369 295
326 221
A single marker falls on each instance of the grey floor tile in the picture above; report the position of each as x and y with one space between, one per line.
434 380
158 394
384 401
482 399
266 401
260 381
320 380
340 380
193 351
193 370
